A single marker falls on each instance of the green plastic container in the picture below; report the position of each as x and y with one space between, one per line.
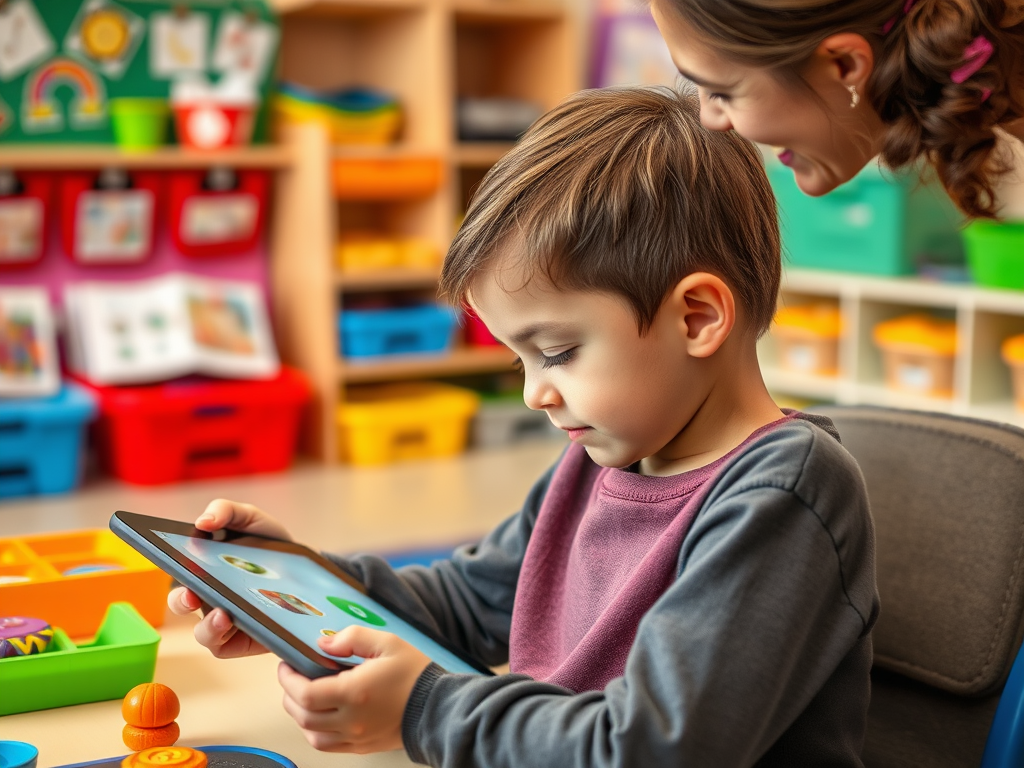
995 253
878 223
122 655
139 123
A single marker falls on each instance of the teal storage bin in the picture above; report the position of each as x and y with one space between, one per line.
878 223
41 441
122 655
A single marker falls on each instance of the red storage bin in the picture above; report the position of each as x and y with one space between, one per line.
477 334
209 222
105 225
24 217
190 428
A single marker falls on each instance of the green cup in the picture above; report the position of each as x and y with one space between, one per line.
139 123
995 253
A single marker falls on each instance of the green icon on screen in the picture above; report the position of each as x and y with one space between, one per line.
355 609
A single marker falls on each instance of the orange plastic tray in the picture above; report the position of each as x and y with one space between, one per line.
77 603
358 178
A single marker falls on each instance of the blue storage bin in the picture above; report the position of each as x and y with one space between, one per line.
879 222
400 331
41 441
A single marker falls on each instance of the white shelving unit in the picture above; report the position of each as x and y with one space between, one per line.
984 319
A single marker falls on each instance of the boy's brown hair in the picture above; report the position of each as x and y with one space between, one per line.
621 190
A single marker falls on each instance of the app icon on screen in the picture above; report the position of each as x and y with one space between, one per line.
355 609
288 602
248 566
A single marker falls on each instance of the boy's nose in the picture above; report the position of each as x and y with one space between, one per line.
538 394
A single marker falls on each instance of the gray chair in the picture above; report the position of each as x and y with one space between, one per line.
947 496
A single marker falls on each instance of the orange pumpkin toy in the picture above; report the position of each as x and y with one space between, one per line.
149 711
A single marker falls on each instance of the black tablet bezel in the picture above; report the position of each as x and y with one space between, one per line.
147 527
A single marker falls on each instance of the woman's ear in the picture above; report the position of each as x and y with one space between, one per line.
705 311
846 58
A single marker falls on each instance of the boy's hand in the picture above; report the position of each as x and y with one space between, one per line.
216 631
359 710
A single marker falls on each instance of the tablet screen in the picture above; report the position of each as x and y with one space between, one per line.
302 596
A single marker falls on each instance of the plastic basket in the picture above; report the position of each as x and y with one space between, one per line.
995 253
880 223
398 422
41 442
425 329
121 656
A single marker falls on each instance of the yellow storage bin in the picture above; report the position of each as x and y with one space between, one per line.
918 352
808 338
358 251
1013 356
397 422
363 251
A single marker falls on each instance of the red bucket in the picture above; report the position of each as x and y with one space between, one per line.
211 125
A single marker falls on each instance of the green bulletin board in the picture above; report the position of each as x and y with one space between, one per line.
62 61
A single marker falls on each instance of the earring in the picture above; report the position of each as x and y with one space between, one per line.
854 96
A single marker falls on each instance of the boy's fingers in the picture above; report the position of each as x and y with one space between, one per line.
214 630
310 720
356 641
182 601
222 513
320 695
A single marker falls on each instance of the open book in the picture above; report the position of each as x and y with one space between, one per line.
28 344
169 326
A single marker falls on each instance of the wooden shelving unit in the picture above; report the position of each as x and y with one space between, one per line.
984 319
428 53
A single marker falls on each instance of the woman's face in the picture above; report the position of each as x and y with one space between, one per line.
812 128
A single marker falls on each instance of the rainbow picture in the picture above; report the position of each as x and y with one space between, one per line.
41 109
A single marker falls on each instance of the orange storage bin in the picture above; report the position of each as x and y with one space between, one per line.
358 178
69 579
1013 356
919 352
808 338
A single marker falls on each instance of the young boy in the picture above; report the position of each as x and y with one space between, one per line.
692 583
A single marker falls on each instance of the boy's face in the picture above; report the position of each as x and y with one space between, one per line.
622 396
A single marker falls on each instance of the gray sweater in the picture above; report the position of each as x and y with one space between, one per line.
757 654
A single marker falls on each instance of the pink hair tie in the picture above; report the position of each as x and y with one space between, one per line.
976 55
892 22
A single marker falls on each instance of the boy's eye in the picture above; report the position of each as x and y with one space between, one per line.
560 359
517 364
718 97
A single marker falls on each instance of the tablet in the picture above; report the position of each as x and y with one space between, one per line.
282 594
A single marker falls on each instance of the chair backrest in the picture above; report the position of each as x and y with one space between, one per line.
947 497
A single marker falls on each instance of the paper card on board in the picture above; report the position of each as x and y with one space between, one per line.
106 35
177 44
42 109
28 343
24 39
245 45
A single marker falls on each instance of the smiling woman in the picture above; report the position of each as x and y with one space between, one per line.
833 83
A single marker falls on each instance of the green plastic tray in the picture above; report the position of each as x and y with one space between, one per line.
122 655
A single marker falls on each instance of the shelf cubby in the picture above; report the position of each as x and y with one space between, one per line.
427 53
984 319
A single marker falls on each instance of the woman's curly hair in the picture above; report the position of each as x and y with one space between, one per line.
952 125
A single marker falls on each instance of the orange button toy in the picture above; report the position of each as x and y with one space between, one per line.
166 757
149 710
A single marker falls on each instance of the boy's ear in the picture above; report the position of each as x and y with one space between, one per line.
706 312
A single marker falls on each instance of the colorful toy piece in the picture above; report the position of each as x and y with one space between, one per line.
18 754
23 636
166 757
149 710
